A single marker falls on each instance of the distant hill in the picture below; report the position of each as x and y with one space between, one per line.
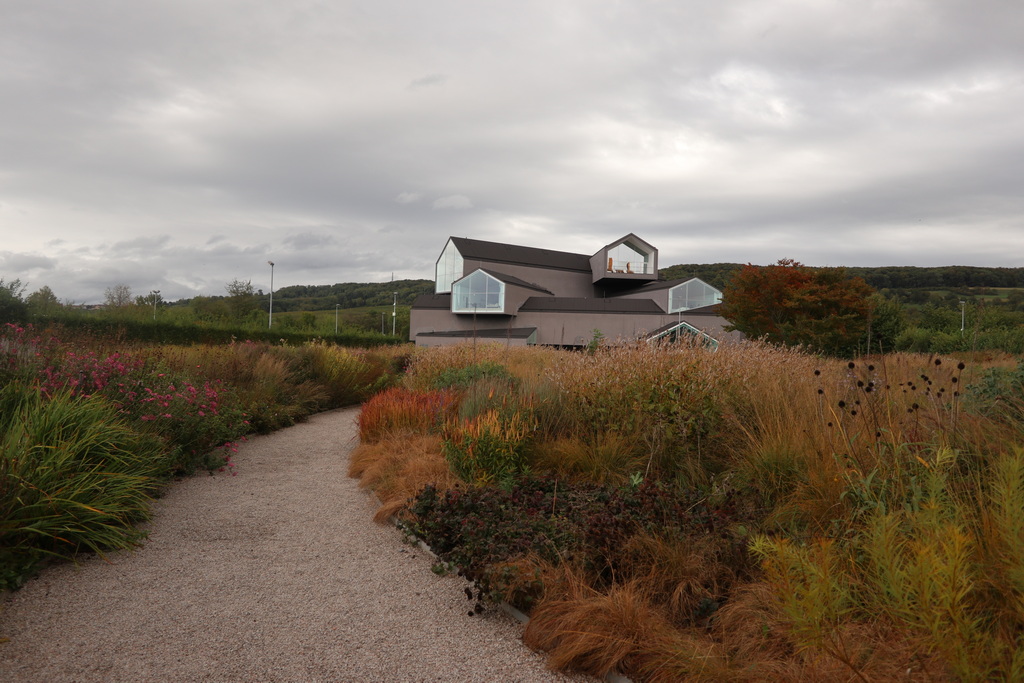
349 295
361 294
884 277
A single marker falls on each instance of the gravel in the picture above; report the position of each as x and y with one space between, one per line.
275 574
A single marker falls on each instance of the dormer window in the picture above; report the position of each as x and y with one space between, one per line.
478 292
692 294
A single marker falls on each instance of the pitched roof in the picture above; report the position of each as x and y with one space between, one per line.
659 284
496 333
497 252
433 301
567 304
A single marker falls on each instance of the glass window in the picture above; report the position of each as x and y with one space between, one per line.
448 270
692 294
478 292
625 258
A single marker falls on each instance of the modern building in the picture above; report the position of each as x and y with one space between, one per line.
525 295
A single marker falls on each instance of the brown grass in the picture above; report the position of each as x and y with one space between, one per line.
398 467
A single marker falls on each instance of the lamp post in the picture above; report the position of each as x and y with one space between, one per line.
963 316
154 293
270 320
336 319
394 314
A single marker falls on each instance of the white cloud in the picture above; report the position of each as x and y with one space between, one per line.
454 201
408 197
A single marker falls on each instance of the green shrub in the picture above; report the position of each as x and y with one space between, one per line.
462 378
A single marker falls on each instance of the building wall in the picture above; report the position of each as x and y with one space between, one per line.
561 282
561 328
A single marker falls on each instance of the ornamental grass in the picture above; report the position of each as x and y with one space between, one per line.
820 519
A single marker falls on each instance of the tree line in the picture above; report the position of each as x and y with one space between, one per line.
718 275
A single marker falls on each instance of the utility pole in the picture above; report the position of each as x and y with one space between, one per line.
270 321
394 312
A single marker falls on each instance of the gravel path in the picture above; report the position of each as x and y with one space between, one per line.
276 574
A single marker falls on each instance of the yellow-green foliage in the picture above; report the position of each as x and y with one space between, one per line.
946 575
489 447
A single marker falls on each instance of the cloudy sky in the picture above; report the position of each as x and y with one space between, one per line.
180 144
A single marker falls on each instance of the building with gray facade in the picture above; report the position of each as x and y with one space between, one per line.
525 295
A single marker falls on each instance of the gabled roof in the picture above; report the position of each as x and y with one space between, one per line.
497 252
661 284
439 301
629 238
497 333
566 304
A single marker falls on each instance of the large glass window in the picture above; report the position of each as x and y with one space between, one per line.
692 294
448 270
625 258
478 292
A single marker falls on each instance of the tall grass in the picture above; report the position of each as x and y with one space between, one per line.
73 476
882 499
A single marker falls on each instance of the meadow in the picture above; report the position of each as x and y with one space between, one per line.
94 426
673 513
750 514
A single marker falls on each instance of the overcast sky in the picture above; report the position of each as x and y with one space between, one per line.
180 144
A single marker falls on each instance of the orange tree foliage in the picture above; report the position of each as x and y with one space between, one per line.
789 303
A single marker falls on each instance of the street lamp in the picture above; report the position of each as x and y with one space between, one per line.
394 313
270 321
963 311
336 319
154 293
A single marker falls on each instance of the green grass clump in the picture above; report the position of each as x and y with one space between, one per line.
74 476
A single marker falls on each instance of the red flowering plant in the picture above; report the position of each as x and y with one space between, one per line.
199 420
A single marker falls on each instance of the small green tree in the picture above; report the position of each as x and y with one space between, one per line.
241 299
43 302
13 308
118 296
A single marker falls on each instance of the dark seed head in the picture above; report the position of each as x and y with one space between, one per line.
938 361
842 404
821 391
960 366
817 372
851 365
871 368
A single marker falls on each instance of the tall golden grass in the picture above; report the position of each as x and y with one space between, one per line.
888 515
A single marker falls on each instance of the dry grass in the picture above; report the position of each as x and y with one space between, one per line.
828 448
585 630
398 467
607 457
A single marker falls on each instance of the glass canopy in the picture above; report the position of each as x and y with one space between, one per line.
692 294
